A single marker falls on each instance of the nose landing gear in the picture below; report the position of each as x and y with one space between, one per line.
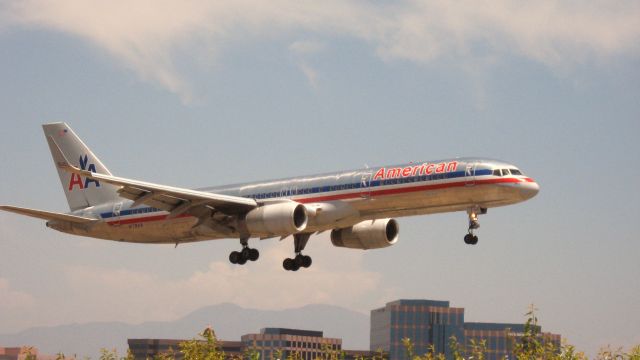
470 238
299 261
246 254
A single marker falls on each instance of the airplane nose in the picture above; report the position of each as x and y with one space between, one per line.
529 190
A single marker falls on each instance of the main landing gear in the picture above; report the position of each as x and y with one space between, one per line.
294 264
470 238
246 254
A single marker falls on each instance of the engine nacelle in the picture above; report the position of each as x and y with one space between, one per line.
369 234
277 219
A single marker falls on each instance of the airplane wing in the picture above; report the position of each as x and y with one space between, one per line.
47 215
175 200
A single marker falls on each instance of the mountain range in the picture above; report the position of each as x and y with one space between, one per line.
229 321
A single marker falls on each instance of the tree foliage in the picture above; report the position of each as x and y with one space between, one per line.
205 349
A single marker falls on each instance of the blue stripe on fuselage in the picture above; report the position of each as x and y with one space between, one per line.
326 189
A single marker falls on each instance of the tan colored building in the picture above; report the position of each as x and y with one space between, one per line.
270 343
20 353
278 343
10 353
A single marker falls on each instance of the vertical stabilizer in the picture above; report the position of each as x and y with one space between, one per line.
81 192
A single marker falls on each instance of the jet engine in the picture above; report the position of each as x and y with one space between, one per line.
277 219
369 234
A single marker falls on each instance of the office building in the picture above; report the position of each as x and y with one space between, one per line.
430 323
270 343
20 353
274 343
501 338
10 353
426 322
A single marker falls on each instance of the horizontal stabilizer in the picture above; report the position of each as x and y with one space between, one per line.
47 215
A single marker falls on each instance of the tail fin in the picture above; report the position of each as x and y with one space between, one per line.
81 192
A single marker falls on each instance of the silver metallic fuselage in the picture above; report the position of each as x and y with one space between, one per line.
334 200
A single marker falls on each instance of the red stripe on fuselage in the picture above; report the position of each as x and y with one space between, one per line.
404 190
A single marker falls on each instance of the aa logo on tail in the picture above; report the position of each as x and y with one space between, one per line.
77 179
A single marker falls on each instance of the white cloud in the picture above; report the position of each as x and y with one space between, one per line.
146 35
264 285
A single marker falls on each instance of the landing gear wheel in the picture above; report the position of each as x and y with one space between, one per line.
246 254
299 261
295 267
234 257
470 239
290 265
254 254
303 260
287 264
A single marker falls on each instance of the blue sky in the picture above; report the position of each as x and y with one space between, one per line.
194 94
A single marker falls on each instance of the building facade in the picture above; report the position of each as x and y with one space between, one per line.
143 349
270 343
20 353
278 343
426 322
10 353
431 324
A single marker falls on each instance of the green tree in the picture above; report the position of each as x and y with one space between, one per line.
329 353
634 354
205 348
429 355
29 353
169 355
294 355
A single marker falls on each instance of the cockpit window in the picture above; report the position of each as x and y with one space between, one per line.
506 172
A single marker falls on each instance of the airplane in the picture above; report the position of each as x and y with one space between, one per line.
358 207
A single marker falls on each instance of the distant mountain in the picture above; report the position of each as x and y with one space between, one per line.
229 322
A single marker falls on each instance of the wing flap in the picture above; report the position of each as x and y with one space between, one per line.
47 215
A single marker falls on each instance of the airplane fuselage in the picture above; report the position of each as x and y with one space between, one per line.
350 197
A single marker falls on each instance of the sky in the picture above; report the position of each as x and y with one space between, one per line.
199 93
